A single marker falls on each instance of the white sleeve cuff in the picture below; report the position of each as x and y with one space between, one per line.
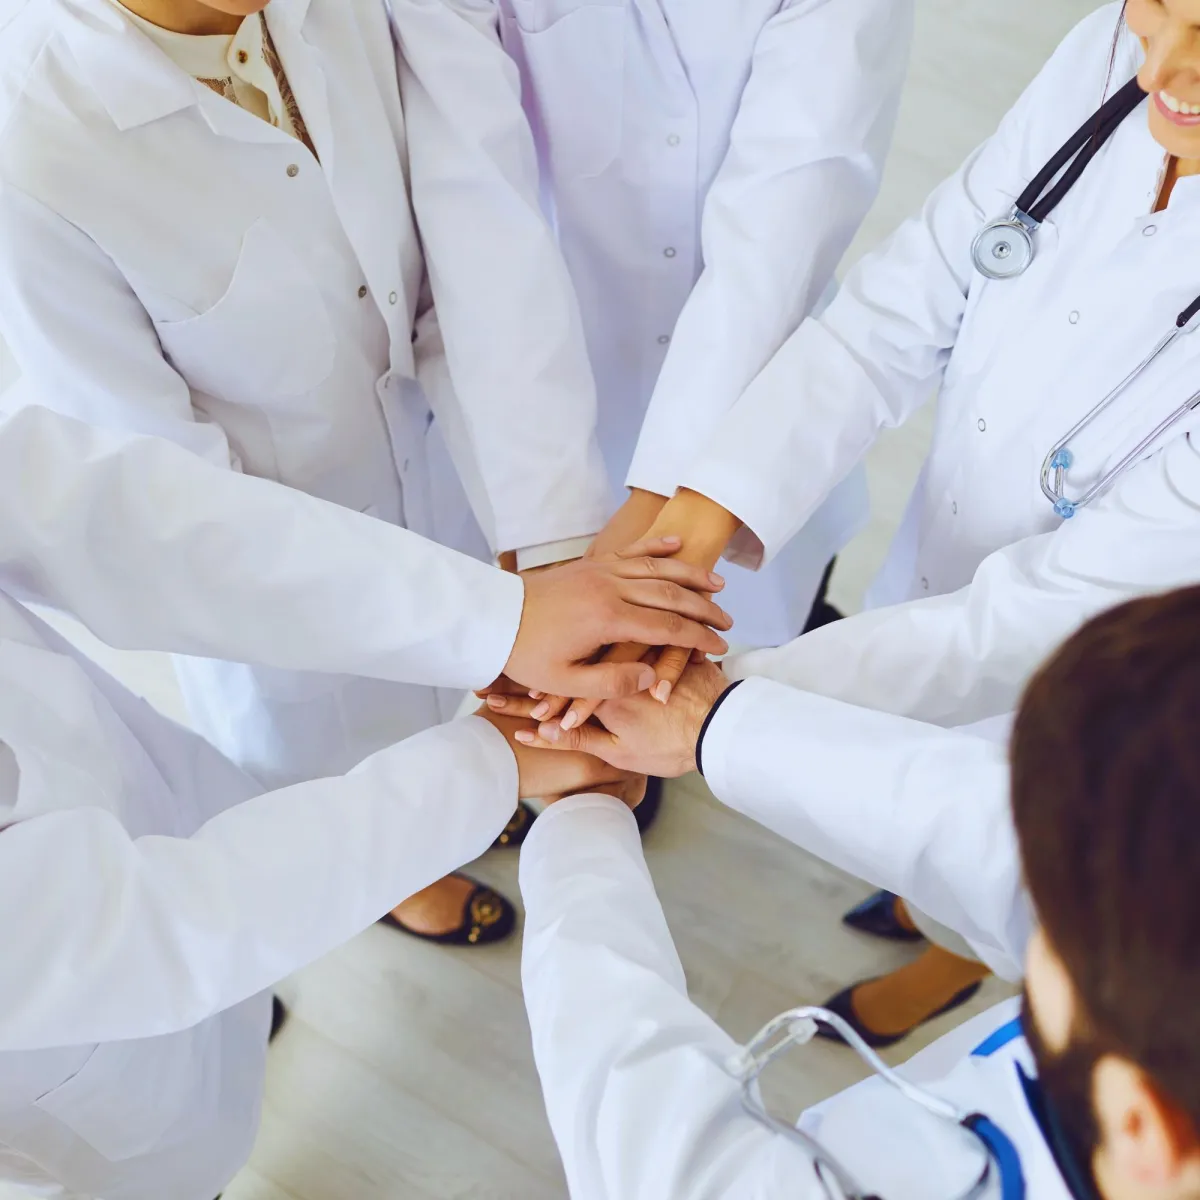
552 552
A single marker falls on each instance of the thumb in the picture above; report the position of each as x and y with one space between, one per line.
609 680
671 664
587 739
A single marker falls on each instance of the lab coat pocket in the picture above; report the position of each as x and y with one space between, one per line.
269 336
573 56
137 1097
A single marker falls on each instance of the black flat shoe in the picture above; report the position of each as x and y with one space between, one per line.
279 1016
876 916
487 918
646 813
517 830
843 1005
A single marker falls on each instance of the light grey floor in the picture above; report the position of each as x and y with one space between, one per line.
405 1072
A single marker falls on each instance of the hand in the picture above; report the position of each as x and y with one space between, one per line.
704 529
638 734
572 612
545 775
628 524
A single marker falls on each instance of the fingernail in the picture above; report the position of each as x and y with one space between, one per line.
536 695
672 539
524 737
550 733
716 580
496 702
662 691
540 711
570 721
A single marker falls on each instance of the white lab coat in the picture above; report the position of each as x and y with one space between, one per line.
707 164
170 894
170 264
984 580
153 548
639 1086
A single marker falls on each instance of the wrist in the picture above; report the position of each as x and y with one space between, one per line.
704 527
714 708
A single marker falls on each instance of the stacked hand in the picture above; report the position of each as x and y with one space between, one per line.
636 734
583 640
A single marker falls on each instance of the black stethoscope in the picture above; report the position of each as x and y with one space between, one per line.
1005 248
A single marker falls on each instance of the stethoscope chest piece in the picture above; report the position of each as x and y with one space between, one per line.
1004 249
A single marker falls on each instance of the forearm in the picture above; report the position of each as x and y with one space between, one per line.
612 1025
918 810
704 526
158 933
154 549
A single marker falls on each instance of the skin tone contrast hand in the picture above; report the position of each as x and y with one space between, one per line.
551 775
643 594
638 734
704 529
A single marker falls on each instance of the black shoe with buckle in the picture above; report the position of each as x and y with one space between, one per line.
517 830
487 918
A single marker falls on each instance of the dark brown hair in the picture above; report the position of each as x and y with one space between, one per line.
1106 800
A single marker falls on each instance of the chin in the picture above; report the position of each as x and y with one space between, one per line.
1177 140
238 8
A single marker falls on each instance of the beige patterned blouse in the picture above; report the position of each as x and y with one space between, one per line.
242 67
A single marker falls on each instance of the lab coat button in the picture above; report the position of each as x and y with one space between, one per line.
670 252
243 57
392 297
1074 318
293 170
954 508
362 292
1150 231
673 140
924 584
982 425
663 338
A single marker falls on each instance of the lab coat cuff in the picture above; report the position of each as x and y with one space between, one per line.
563 827
491 632
558 525
747 548
653 475
722 771
545 555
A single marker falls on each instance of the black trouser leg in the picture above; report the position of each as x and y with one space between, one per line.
822 612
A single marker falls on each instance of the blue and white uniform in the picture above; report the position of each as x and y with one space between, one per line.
640 1086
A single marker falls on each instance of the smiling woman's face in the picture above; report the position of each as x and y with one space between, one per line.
1170 33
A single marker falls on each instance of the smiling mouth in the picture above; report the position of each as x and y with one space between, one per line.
1178 112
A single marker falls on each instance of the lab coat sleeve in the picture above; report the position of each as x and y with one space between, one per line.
501 354
155 549
806 155
134 937
639 1091
966 656
880 350
924 813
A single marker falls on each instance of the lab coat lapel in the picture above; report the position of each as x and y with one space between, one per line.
361 152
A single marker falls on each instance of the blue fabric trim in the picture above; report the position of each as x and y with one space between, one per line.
1004 1155
998 1040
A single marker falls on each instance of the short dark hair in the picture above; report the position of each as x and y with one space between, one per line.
1106 801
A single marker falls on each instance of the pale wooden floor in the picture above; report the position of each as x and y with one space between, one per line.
405 1072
